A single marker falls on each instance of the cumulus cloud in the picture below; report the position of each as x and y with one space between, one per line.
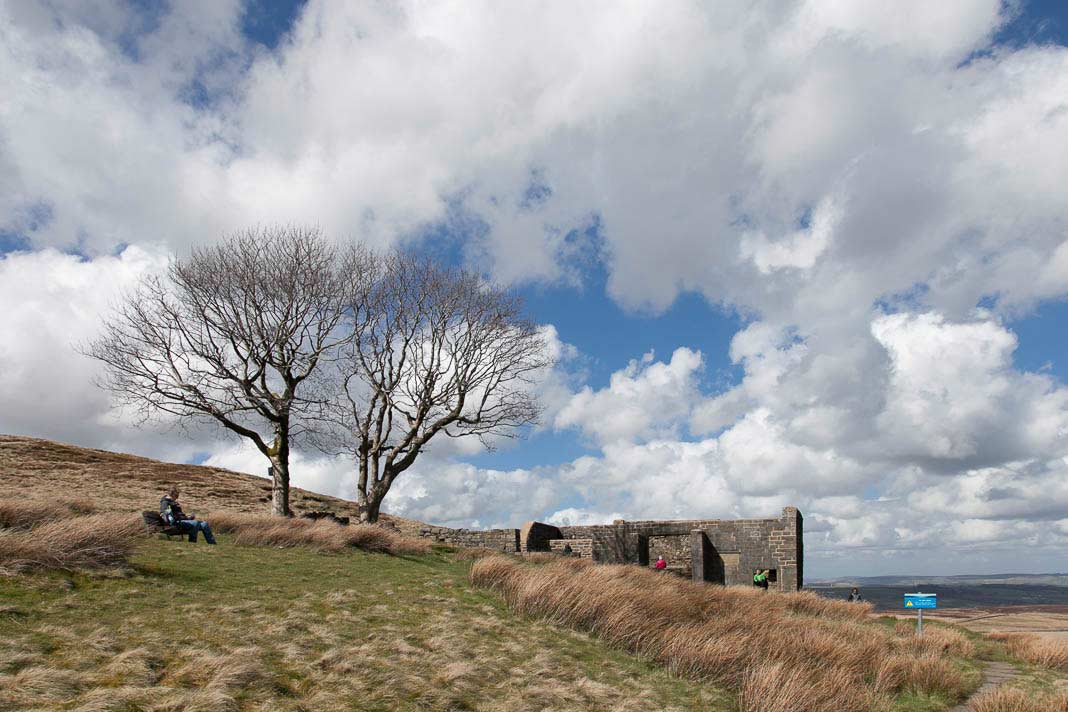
770 149
331 476
855 178
53 303
644 399
919 432
954 398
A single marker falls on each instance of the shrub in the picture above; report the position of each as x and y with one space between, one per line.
27 512
372 537
474 552
774 687
321 535
1011 699
1030 648
224 522
780 652
936 640
92 541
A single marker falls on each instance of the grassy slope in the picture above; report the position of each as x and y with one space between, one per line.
127 483
262 628
235 627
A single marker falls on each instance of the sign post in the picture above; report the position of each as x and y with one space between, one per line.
919 601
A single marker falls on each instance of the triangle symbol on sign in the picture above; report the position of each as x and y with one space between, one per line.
908 605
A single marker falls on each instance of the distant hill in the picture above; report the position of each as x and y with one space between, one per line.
963 580
118 482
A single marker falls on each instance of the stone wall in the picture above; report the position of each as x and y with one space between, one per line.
725 551
506 540
675 549
609 542
731 551
581 548
535 536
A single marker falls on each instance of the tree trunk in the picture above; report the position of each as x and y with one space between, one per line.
280 483
369 507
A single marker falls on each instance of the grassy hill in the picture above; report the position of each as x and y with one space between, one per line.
238 627
241 626
248 627
127 483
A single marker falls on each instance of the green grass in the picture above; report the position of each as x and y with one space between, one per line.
193 627
234 627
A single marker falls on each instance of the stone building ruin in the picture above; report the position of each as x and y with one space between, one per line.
721 551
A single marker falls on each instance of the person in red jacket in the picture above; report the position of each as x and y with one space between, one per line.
660 563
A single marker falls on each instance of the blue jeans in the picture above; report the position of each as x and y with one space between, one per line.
195 525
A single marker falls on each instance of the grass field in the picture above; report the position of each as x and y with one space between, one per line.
288 615
193 627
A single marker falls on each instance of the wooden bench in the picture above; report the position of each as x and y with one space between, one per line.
155 525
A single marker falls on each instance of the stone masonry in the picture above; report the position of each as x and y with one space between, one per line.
722 551
580 548
506 540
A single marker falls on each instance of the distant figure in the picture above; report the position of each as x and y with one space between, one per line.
568 551
660 563
172 514
854 596
760 579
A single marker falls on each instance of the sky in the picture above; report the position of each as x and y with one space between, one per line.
784 252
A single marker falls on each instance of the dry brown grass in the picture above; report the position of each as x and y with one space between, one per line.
776 687
935 641
1011 699
474 552
288 630
25 512
321 535
1030 648
92 541
781 652
31 468
203 681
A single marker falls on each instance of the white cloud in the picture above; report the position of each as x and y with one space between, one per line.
737 119
52 305
331 476
799 250
799 161
915 27
643 400
953 394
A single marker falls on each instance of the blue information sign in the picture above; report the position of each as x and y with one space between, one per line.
921 600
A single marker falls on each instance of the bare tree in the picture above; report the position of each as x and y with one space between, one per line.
434 351
231 335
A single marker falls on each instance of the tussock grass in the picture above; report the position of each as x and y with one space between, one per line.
26 512
91 541
268 628
320 535
936 641
780 652
474 552
1030 648
1012 699
776 687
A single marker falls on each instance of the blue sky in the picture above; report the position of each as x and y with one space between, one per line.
792 253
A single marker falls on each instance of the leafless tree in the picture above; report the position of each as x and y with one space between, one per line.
434 351
231 335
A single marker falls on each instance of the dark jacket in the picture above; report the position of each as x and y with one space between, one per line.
171 511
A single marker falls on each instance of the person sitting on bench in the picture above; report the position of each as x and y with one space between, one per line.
172 514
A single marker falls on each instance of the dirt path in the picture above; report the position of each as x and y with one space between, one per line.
994 675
